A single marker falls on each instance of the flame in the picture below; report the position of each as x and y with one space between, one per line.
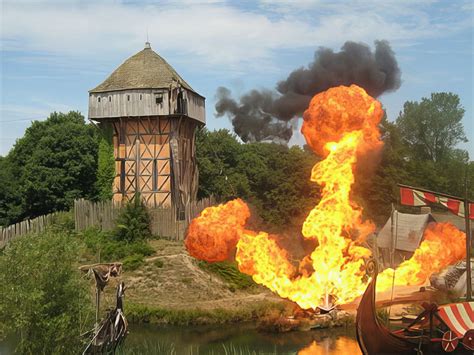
212 236
341 125
443 245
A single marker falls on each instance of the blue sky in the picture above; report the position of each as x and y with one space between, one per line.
54 51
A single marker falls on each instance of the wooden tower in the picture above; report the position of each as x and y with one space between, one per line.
154 114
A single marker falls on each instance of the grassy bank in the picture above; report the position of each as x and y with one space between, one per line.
138 313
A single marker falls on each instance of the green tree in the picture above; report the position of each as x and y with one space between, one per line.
43 298
10 198
105 165
54 163
279 181
274 178
217 155
432 128
419 150
377 190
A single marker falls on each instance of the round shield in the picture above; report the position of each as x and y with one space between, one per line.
468 339
449 342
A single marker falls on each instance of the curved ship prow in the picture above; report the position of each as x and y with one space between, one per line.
372 336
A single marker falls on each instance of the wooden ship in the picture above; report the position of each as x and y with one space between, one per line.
437 329
154 114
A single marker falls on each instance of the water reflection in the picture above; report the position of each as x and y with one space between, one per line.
233 339
341 345
147 339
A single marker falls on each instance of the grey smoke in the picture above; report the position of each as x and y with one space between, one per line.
266 114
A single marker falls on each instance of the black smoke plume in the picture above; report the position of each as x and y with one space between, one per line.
266 114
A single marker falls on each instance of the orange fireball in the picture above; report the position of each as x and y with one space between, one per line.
213 235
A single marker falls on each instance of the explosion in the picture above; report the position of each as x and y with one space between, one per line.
340 125
431 256
208 238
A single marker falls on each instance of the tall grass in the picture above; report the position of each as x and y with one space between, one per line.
170 349
137 313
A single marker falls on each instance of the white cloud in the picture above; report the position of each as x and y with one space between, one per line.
212 33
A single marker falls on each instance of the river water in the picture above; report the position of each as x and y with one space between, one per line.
239 339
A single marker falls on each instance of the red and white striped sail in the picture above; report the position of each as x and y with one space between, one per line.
459 317
412 197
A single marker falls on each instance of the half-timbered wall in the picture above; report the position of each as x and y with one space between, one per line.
143 160
155 156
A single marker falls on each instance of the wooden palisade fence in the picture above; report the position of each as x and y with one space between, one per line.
34 225
165 221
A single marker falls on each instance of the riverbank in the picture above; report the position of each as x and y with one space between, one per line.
139 313
169 287
172 288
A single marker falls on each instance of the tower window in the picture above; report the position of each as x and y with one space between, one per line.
128 97
159 98
140 96
98 99
110 98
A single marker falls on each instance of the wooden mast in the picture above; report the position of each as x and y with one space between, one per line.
468 240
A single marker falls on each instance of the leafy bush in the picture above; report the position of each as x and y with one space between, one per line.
133 262
63 221
43 298
109 249
133 223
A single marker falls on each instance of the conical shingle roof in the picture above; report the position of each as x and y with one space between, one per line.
144 70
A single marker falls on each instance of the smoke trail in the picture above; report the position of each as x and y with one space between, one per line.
266 114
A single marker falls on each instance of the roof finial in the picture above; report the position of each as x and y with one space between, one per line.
147 43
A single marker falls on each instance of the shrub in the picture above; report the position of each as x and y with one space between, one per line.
63 221
229 273
109 249
133 262
43 298
133 223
